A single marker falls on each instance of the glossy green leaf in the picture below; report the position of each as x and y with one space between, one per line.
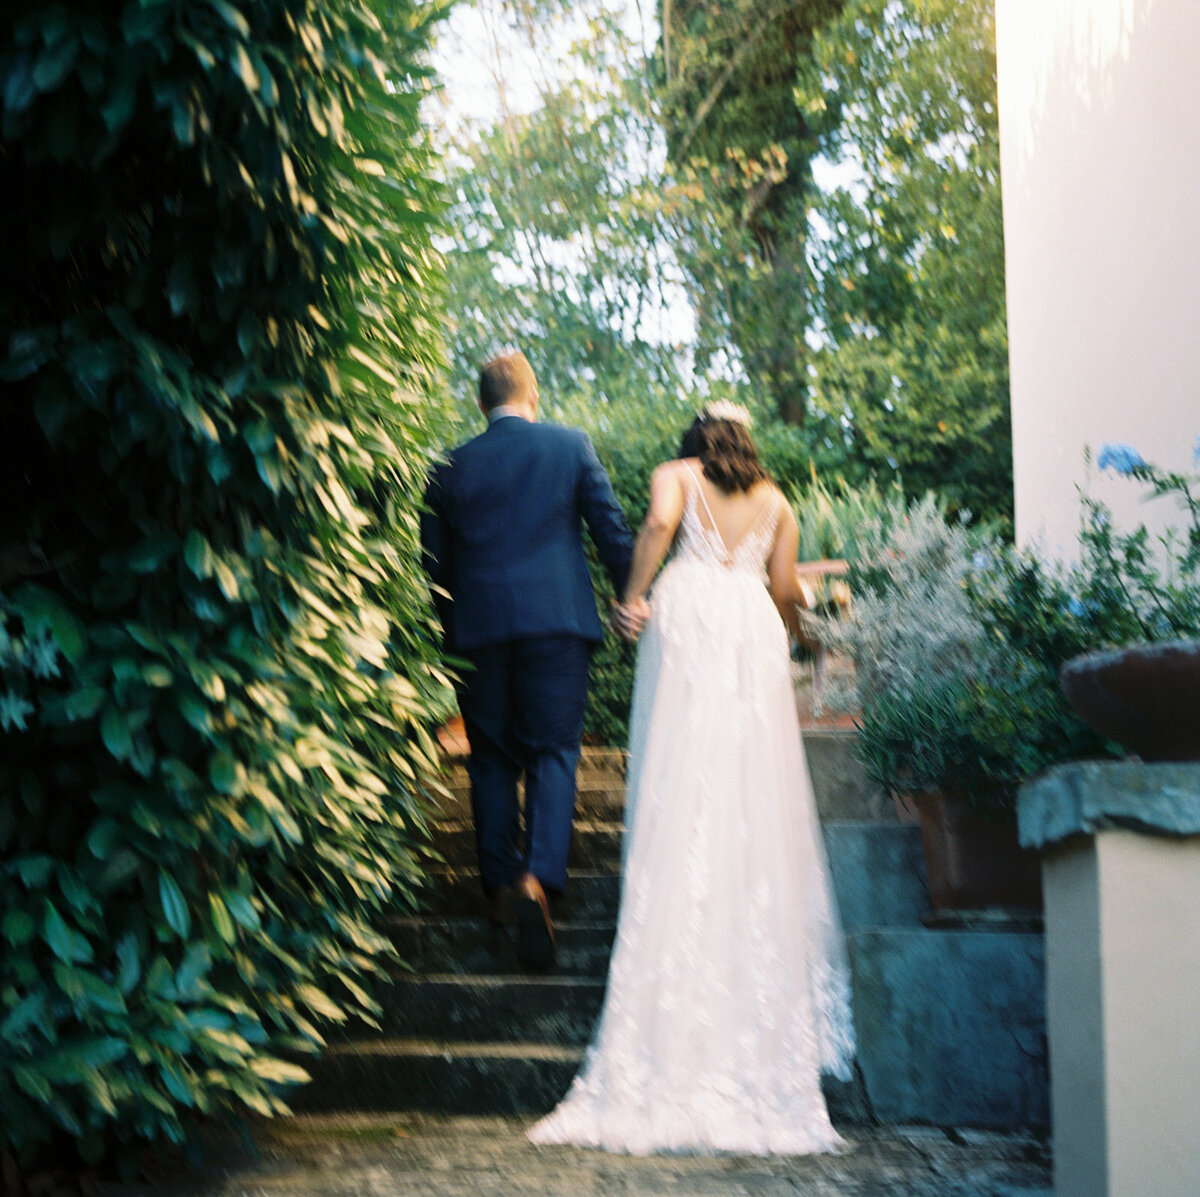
55 63
85 704
32 1083
34 871
129 964
245 68
174 905
242 910
226 580
67 944
198 554
157 675
89 993
18 927
222 772
197 961
279 1072
221 919
115 732
232 16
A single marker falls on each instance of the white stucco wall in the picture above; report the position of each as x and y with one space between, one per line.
1100 160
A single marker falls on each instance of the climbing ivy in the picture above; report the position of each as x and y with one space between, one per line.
218 344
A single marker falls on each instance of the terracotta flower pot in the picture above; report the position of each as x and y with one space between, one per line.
972 861
1147 697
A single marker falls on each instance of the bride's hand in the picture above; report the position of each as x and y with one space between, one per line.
630 618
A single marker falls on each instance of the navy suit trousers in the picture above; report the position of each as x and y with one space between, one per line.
522 705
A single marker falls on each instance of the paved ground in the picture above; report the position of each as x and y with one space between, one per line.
438 1156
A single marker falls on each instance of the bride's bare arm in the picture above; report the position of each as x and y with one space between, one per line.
781 570
657 530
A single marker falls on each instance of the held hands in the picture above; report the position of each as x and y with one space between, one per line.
630 618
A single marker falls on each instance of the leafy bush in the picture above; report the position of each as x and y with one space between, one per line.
980 728
959 640
630 441
1132 587
830 516
912 617
217 345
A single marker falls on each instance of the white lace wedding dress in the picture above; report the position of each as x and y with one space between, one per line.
728 992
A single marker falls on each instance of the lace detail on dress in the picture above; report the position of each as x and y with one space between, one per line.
728 991
705 543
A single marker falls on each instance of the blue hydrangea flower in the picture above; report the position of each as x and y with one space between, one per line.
1122 458
980 561
1076 608
1196 452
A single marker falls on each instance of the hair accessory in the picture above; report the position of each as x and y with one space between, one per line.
725 409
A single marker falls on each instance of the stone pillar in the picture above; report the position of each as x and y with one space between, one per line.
1120 845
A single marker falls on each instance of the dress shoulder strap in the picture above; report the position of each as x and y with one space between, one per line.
712 523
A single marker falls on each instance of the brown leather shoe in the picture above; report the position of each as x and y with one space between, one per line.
535 931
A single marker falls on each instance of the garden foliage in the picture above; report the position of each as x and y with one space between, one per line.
217 333
958 638
949 697
740 144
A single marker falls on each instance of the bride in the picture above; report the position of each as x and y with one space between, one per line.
728 993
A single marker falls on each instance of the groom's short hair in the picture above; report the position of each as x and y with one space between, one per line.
505 379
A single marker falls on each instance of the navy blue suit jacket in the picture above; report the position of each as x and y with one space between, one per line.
502 535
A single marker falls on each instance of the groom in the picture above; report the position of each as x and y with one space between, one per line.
503 546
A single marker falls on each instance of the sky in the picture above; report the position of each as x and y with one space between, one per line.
486 64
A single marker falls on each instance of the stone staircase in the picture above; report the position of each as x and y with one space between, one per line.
463 1030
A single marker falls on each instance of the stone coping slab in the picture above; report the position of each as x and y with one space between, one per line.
1084 797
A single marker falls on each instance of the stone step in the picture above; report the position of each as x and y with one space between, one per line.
595 845
840 784
503 1009
591 896
467 945
462 1078
951 1025
388 1075
597 803
597 767
878 874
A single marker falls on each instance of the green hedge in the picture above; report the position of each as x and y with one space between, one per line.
217 337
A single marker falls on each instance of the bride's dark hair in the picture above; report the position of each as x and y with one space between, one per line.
726 451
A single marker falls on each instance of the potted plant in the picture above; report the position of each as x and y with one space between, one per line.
1141 686
958 704
959 642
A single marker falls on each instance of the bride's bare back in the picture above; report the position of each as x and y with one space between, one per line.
731 515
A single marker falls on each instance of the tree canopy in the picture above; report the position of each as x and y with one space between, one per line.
809 190
736 134
911 374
